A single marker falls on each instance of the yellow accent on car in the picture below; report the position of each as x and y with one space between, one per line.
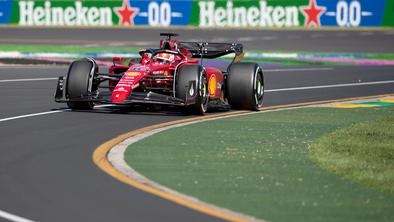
132 73
212 85
239 57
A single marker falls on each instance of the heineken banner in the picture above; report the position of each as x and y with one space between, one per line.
237 13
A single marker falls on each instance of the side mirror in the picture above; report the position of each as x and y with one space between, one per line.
117 59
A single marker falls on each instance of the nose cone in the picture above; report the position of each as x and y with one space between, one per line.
128 82
118 96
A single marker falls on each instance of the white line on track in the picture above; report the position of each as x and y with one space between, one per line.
12 217
26 80
331 86
298 69
45 113
269 90
33 114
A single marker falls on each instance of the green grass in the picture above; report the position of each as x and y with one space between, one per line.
363 152
87 49
260 165
84 49
388 56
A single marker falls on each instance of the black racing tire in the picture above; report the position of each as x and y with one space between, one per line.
79 82
198 90
245 86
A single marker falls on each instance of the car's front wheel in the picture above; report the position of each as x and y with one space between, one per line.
79 83
191 85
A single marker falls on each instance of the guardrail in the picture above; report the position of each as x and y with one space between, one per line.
201 13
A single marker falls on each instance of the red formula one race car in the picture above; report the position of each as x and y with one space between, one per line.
171 75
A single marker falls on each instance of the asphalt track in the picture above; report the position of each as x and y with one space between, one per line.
46 167
46 170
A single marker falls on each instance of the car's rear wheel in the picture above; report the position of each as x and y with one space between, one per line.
245 86
79 83
191 85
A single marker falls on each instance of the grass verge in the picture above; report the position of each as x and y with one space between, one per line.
363 152
88 49
259 165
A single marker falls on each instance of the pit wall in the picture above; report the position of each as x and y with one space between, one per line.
230 14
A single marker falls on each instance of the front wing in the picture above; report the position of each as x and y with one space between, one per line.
133 98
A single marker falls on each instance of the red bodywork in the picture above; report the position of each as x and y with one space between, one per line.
152 75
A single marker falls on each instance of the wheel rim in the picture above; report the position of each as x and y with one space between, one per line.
259 89
204 93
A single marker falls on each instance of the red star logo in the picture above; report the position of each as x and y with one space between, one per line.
126 13
312 13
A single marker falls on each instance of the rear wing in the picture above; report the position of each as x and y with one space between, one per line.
212 50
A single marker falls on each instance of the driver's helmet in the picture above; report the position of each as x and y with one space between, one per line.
165 58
